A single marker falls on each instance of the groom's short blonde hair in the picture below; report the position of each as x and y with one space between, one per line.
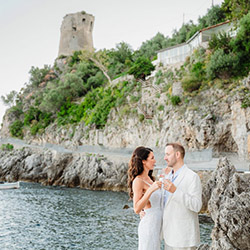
177 148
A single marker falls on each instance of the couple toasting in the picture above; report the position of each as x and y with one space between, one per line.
168 208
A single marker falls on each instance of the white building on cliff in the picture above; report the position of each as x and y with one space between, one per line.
178 53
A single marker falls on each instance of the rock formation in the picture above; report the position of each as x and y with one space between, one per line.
76 33
66 169
226 196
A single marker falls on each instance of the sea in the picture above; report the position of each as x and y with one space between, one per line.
47 217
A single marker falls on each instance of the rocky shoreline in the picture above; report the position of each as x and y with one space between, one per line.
225 196
49 167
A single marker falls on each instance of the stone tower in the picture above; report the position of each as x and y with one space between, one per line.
76 33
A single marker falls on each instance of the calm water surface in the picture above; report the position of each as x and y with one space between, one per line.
38 217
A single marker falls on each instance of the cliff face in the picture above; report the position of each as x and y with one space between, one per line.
213 119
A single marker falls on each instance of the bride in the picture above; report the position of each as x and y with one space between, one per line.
146 195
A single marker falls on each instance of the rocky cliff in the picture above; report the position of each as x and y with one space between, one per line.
212 119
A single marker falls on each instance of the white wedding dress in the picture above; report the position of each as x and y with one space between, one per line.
149 229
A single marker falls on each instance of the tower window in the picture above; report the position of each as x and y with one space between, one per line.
74 28
83 20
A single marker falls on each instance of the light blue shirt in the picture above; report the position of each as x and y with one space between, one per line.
172 177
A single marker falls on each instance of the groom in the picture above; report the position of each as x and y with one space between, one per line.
181 202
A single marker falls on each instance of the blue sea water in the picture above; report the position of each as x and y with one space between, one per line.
39 217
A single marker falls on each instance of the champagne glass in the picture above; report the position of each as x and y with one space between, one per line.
161 175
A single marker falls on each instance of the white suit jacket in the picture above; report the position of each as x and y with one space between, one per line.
180 215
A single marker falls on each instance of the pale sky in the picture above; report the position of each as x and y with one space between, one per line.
30 29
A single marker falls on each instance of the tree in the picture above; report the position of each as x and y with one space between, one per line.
67 89
122 52
99 59
149 48
119 59
10 98
222 65
214 16
235 9
37 75
184 33
241 45
141 68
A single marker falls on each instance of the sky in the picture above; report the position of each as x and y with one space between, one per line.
30 29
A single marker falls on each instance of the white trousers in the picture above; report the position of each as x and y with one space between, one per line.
179 248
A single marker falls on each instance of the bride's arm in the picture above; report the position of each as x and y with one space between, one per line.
140 200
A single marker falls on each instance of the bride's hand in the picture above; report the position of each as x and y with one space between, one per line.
156 185
142 214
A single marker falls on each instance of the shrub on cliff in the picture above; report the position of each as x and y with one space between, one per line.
230 55
235 9
7 147
16 110
37 120
241 45
16 129
10 98
56 95
119 59
37 75
96 105
175 100
141 68
222 65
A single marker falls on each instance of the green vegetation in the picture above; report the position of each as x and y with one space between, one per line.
96 106
36 120
37 75
235 9
160 108
7 147
227 58
16 110
16 129
245 94
175 100
141 117
10 98
141 68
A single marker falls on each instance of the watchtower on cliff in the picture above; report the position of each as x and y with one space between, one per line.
76 33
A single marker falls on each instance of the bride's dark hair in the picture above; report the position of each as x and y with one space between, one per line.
136 166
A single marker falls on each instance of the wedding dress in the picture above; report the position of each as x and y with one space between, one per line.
149 229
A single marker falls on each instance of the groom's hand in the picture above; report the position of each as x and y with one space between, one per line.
169 186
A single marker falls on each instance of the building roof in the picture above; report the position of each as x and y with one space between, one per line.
208 28
214 26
